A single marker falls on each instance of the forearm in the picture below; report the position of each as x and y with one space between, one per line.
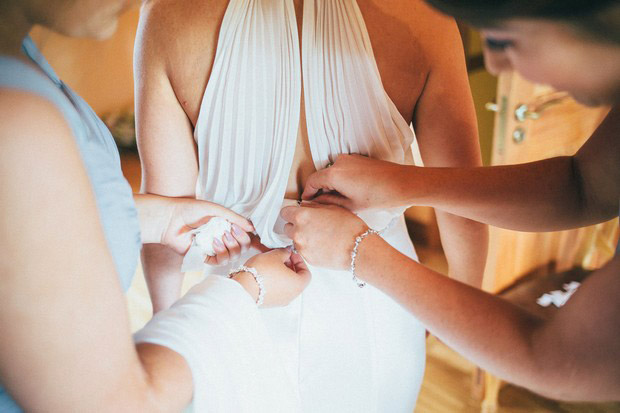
162 272
538 196
161 264
465 243
163 379
485 329
154 213
166 380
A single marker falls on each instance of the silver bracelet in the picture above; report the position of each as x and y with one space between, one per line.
358 240
257 277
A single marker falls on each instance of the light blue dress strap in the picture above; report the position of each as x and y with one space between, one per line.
99 152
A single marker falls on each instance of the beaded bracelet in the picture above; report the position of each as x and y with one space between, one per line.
257 277
358 240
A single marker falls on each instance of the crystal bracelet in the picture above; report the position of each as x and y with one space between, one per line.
358 240
257 277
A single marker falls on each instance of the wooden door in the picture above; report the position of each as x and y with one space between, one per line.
534 122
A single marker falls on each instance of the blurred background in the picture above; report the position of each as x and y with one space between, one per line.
518 122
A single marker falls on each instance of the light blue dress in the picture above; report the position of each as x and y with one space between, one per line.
101 159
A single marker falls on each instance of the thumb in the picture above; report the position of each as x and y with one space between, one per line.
255 243
282 254
334 199
316 182
300 267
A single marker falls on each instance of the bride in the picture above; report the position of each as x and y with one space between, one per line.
239 101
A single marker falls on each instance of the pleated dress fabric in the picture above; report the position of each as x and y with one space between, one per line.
345 349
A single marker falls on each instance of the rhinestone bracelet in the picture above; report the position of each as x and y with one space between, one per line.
358 240
257 277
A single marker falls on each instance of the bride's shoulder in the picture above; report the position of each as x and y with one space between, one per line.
435 33
411 21
177 30
179 15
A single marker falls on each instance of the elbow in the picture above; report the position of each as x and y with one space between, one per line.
593 204
562 374
577 178
139 397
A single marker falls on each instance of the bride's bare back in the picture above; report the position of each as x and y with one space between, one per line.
421 63
407 37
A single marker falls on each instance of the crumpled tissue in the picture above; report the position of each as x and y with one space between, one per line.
202 243
558 297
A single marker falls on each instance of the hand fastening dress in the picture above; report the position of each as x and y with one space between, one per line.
345 349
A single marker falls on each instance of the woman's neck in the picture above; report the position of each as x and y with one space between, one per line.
14 26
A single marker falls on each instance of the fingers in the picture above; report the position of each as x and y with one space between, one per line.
242 237
211 260
282 254
289 230
256 244
317 181
288 213
334 199
301 269
299 264
233 247
221 254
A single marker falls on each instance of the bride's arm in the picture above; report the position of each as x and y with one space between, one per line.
169 166
168 155
447 133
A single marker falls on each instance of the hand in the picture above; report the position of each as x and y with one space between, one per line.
323 234
187 214
358 183
232 245
285 276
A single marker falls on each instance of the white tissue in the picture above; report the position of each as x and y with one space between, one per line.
558 297
202 243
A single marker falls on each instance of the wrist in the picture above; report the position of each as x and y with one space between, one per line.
356 245
412 185
247 281
370 249
154 213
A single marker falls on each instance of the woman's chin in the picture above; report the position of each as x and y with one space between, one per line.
100 31
104 32
594 101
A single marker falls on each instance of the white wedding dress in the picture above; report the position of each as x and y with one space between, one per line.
344 349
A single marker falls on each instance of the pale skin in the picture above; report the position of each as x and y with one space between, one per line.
55 254
420 59
573 355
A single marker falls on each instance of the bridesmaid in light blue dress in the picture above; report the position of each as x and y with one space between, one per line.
69 220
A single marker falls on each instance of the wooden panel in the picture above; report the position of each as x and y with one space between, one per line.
553 125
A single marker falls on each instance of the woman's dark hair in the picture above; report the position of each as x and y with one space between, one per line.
596 18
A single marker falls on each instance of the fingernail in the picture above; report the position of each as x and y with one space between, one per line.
237 229
218 243
229 237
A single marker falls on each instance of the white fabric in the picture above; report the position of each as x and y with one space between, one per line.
202 243
216 327
345 349
249 118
